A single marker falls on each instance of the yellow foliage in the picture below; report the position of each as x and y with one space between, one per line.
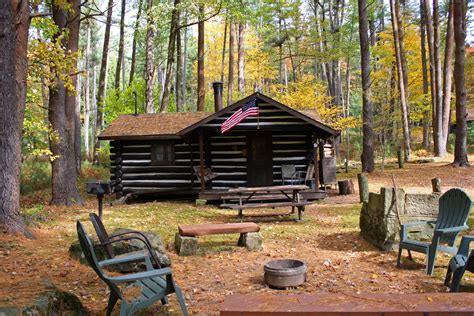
309 94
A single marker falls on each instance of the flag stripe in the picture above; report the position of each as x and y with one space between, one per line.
240 117
249 109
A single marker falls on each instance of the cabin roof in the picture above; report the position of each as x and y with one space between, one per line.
150 126
174 125
310 116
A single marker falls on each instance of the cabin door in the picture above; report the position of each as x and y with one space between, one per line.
259 159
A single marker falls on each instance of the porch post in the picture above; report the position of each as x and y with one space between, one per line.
316 165
201 160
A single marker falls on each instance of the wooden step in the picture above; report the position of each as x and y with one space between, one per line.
216 229
264 205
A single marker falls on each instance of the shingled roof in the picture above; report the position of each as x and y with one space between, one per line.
175 125
150 126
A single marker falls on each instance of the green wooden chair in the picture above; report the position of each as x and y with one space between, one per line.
459 264
154 284
106 240
454 207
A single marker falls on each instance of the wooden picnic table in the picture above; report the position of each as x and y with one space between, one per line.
267 197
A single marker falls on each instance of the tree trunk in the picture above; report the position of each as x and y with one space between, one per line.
460 150
223 50
241 60
184 66
426 114
134 45
149 68
14 25
368 137
170 59
401 84
201 81
179 73
430 38
447 76
230 81
120 48
87 106
440 150
102 84
62 114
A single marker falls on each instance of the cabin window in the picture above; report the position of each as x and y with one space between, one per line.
162 153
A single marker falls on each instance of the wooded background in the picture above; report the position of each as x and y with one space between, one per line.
379 71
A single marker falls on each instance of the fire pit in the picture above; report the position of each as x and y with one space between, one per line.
285 273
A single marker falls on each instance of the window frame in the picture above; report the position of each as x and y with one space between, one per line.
170 154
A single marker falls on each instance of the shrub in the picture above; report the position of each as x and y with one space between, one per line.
35 176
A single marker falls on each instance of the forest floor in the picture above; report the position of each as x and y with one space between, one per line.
328 240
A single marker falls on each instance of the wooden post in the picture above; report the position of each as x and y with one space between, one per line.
316 166
363 187
346 187
436 183
201 161
192 163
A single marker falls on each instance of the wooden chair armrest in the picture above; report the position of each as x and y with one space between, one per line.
451 229
140 276
465 244
124 259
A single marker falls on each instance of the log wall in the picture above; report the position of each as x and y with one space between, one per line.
133 170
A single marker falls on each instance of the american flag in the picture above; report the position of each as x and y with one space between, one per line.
249 109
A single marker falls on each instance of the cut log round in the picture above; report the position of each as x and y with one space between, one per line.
346 187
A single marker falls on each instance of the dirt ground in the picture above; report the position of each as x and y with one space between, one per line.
328 241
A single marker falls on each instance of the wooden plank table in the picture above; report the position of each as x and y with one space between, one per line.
340 304
284 195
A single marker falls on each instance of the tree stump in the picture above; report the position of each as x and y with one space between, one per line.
346 187
363 187
436 184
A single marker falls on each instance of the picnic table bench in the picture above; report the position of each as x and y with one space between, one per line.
266 197
186 238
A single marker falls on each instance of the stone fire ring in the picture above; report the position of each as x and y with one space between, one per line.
285 273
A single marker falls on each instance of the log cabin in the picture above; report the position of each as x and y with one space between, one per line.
185 154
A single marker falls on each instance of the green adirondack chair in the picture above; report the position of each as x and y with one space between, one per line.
459 264
154 284
454 207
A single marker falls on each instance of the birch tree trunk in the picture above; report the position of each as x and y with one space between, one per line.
134 45
14 25
367 124
426 114
430 39
201 80
170 59
447 76
440 150
120 48
460 150
401 84
230 80
149 68
241 60
102 83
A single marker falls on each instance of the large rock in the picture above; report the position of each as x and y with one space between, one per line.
51 302
125 247
379 221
